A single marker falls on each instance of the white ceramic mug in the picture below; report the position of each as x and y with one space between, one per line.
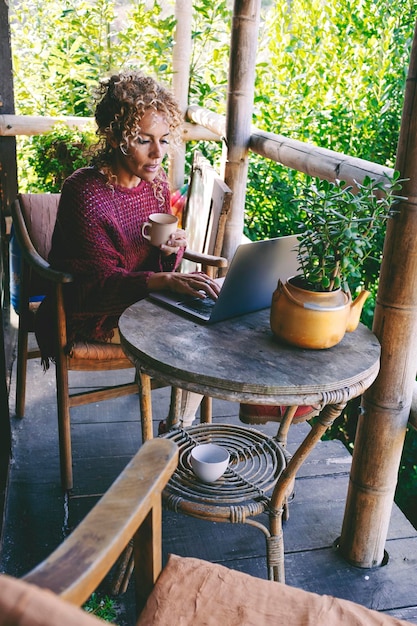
159 227
209 461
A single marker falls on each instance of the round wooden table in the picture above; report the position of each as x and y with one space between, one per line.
240 360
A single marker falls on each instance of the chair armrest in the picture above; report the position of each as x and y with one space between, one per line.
205 259
29 252
76 568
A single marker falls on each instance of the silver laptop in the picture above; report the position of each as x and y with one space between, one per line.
248 285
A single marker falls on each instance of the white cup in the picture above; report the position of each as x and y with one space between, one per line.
209 461
159 227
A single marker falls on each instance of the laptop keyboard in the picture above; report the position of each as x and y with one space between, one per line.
200 306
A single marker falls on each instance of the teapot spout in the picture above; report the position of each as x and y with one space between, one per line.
356 310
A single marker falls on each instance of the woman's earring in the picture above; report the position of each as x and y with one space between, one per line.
123 150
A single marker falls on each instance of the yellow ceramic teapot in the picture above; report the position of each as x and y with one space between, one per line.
310 319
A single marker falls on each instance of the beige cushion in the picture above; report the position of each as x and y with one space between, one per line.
22 604
191 592
194 592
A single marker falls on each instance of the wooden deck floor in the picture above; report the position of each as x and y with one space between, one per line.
106 435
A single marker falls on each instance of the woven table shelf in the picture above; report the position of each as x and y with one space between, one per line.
256 462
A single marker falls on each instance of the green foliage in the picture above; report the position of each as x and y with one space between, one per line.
333 75
272 187
101 606
209 65
339 74
49 159
62 49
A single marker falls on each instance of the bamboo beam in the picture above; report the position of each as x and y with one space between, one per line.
304 157
27 125
386 404
243 45
314 161
204 125
181 60
212 121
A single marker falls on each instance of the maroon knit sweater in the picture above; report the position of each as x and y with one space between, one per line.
98 239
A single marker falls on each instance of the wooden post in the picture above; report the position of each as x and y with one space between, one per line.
386 405
8 191
8 167
5 432
181 58
244 39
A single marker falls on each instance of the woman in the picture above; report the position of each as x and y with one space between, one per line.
98 233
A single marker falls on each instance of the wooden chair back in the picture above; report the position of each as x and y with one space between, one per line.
205 213
39 221
40 211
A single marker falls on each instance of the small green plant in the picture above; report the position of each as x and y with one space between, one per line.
339 228
101 606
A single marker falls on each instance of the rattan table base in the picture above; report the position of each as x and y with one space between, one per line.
256 463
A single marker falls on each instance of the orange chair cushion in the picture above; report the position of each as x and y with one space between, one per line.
194 592
22 604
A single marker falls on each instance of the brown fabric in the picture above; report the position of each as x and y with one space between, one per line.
191 592
22 604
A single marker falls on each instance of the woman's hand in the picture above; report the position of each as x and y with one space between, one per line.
176 241
195 284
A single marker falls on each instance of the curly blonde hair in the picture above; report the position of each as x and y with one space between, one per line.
122 101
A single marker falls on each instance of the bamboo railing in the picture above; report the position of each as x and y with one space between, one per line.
297 155
27 125
204 125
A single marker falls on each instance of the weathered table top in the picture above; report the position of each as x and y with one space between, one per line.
240 359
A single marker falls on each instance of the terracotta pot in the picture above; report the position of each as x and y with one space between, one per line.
310 319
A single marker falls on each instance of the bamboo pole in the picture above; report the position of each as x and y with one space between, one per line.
386 405
208 126
314 161
181 59
244 39
28 125
304 157
203 117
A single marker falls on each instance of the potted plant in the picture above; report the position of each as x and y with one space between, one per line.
337 235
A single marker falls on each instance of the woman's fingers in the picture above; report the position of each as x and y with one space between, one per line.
176 241
197 284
